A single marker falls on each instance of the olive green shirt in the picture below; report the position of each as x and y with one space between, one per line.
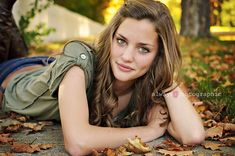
35 93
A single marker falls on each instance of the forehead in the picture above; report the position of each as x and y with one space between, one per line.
141 30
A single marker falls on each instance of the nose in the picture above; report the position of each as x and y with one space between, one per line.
128 54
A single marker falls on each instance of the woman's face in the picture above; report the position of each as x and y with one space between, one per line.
133 49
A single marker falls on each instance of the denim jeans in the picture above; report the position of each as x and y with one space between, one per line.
15 64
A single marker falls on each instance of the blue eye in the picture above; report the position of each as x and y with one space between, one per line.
144 50
121 42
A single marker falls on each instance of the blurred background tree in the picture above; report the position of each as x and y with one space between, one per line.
195 18
218 15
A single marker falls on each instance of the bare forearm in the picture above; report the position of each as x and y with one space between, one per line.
98 138
185 120
114 137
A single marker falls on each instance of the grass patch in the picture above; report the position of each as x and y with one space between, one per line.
210 72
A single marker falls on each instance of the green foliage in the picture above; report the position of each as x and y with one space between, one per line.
34 36
90 8
175 10
228 13
210 74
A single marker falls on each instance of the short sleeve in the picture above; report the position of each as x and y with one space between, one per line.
75 53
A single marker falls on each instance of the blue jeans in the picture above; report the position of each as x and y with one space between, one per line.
15 64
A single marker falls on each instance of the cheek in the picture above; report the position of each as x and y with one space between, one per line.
146 62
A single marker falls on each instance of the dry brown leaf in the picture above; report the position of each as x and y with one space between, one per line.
109 152
170 145
229 141
227 126
46 123
6 154
175 153
24 148
210 123
229 59
11 128
122 151
226 119
46 146
27 148
137 146
34 126
213 146
208 114
227 83
215 76
214 132
4 138
21 118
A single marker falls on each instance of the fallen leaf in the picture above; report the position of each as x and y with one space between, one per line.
170 145
122 151
214 132
137 146
34 126
209 123
6 154
215 76
208 114
27 148
110 152
45 146
213 146
227 126
12 128
24 148
227 83
175 153
229 59
46 123
4 138
223 67
21 118
229 141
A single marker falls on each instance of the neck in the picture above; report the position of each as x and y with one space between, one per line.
122 88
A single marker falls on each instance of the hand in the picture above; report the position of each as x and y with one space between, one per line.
158 118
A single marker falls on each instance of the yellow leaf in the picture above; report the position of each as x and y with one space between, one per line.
175 153
213 146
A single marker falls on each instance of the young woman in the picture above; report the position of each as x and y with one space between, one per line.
123 88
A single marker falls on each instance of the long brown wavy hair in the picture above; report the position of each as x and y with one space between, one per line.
160 75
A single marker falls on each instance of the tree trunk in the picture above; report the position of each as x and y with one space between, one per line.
12 44
195 18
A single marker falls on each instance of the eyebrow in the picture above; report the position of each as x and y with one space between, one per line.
140 43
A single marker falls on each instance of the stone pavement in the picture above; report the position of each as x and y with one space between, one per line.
53 135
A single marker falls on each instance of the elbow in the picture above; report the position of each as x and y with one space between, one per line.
195 138
77 149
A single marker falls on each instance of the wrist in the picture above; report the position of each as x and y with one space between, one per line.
170 89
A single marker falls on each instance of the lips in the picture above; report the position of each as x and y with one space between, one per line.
124 68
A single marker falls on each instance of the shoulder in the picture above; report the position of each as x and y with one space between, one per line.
78 49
